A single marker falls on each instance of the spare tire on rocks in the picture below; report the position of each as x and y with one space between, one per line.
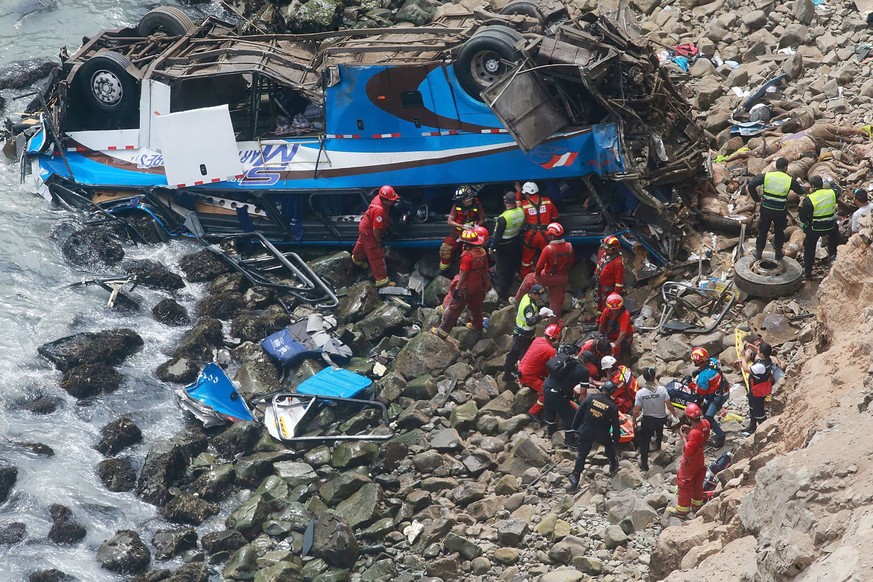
768 277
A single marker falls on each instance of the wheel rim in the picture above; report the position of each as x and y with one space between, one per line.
486 67
107 88
768 267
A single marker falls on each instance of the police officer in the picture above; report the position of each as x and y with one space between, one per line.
818 213
774 205
530 312
506 245
654 402
596 417
568 379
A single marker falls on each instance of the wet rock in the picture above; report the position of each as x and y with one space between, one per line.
12 533
253 326
252 469
118 435
381 570
353 454
334 541
169 312
314 16
249 517
257 375
203 266
386 317
179 370
362 299
153 275
38 449
188 509
215 484
40 404
294 473
164 463
8 477
124 553
51 575
224 306
93 246
170 543
336 268
425 354
362 508
342 486
91 380
64 530
279 572
23 74
198 343
229 540
117 474
242 565
108 347
237 439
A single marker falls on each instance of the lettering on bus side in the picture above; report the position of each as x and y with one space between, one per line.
262 172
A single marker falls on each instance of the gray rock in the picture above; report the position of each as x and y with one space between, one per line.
425 354
117 474
118 435
418 12
626 505
795 34
249 517
164 463
588 564
353 454
170 543
65 529
459 371
511 531
803 11
386 317
336 268
702 67
390 387
295 473
250 325
169 312
563 575
755 19
188 509
708 90
314 16
362 508
477 463
564 551
445 568
466 548
198 342
124 553
108 348
463 416
380 571
501 407
447 439
334 541
467 493
342 486
523 455
614 536
178 370
225 541
422 388
242 565
435 290
362 299
237 439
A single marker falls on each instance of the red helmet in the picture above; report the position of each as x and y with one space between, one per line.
470 237
693 411
553 331
555 229
614 301
387 193
610 241
699 355
481 231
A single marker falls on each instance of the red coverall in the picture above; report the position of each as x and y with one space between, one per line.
613 322
539 211
532 369
626 392
552 271
367 247
692 468
609 273
471 292
461 214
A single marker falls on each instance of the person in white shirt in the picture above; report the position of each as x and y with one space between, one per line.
863 201
654 402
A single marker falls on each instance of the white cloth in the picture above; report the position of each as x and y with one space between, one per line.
652 402
858 214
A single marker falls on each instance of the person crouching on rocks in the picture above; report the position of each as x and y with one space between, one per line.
568 380
532 367
692 467
596 418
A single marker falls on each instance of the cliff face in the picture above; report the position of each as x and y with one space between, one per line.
798 502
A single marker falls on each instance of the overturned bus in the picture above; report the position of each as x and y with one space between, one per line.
208 131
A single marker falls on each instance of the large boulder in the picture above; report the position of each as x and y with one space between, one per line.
363 507
335 268
164 463
334 541
170 543
224 306
673 543
23 74
178 370
253 326
90 380
361 299
523 455
65 529
198 342
118 435
8 477
153 275
188 509
109 347
425 354
203 266
124 553
314 16
117 474
384 318
93 246
12 533
169 312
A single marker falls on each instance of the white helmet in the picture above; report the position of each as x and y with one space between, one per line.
607 362
529 188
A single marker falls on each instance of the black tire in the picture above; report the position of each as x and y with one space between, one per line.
105 83
767 277
481 60
525 8
166 20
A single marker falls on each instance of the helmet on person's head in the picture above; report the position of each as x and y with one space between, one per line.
464 193
470 237
610 241
649 373
587 357
555 229
529 188
567 349
537 289
608 387
607 362
699 355
553 331
693 411
387 193
482 232
614 301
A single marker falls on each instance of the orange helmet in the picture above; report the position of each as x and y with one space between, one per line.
610 241
693 411
470 237
614 301
553 331
699 355
555 229
387 193
482 232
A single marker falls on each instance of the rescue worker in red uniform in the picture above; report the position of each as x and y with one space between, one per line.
474 281
598 346
692 467
466 213
609 271
532 367
539 212
481 231
369 247
552 270
709 383
615 324
626 387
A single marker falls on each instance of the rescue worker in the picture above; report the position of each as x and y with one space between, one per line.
709 384
532 367
568 380
599 347
474 281
626 387
654 403
481 231
692 467
529 313
609 271
818 214
774 205
539 212
596 418
592 364
506 245
615 324
552 270
466 213
370 246
761 380
607 370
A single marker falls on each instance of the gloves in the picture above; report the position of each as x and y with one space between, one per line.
545 312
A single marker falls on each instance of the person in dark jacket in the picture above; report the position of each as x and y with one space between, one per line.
596 421
506 245
568 379
529 313
774 205
818 214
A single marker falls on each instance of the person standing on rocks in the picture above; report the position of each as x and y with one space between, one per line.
596 421
474 281
609 271
466 213
654 402
818 214
615 324
369 247
862 199
774 205
692 467
532 367
761 379
539 212
552 270
568 380
529 313
506 245
709 383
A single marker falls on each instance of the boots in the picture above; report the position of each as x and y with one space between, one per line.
573 481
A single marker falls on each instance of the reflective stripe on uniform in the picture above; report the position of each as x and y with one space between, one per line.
520 320
514 221
824 209
777 185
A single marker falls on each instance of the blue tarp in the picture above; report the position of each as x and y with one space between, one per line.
335 382
214 389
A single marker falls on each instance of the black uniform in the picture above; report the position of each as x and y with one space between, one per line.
565 372
594 419
773 211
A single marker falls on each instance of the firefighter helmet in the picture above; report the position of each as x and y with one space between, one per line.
463 193
607 362
699 355
610 241
693 411
387 193
482 232
470 237
529 188
555 229
614 301
553 331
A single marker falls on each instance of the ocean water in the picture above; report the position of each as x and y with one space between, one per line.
38 305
